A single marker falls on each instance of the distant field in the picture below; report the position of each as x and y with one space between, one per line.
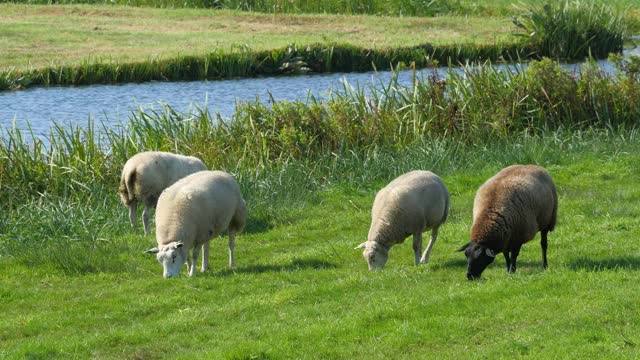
38 36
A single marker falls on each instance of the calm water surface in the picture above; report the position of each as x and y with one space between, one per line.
112 104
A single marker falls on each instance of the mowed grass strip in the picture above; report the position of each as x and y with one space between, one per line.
40 36
301 291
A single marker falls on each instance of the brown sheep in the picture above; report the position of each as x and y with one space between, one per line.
508 210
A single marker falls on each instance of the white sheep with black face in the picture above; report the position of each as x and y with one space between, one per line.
409 205
146 174
192 211
508 210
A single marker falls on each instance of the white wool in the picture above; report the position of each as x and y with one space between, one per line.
192 211
409 205
147 174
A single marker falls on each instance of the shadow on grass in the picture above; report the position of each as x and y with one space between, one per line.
255 226
499 262
588 264
296 264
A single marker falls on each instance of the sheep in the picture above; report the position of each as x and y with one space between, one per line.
192 211
408 205
508 210
146 174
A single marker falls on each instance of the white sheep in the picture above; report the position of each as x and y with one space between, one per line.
147 174
409 205
191 212
508 210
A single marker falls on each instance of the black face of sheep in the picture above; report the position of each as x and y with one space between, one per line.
478 257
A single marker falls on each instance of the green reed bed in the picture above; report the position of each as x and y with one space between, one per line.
574 29
293 59
480 102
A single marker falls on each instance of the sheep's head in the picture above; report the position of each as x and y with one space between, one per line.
478 257
375 254
172 256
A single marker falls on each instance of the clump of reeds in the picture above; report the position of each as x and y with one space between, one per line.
574 29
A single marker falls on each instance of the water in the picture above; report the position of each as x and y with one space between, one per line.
112 104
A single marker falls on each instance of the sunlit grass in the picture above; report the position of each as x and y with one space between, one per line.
301 291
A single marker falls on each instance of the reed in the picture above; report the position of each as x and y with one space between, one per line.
474 105
574 29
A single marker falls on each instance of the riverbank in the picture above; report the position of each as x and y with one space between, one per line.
91 44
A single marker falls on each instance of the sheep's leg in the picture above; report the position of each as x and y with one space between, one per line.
232 244
145 219
543 244
507 259
194 259
133 206
417 246
427 252
205 256
514 256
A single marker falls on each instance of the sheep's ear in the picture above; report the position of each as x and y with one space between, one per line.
179 245
490 253
464 247
361 246
152 251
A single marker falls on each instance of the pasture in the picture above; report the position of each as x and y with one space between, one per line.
75 282
300 290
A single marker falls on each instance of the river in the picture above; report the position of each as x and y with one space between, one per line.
112 104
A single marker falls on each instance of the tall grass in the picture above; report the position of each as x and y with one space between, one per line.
574 29
481 102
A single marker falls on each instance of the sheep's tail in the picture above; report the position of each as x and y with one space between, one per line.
446 209
239 218
126 186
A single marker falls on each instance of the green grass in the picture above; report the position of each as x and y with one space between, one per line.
301 291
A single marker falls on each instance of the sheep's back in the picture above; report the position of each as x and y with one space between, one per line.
197 207
412 202
520 200
156 170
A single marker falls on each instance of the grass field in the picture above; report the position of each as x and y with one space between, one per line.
36 36
301 291
74 282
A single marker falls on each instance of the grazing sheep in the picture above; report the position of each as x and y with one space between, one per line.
409 205
146 174
191 212
508 210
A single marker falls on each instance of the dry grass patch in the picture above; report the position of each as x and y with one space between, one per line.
38 35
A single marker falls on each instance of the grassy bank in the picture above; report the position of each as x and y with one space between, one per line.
107 44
